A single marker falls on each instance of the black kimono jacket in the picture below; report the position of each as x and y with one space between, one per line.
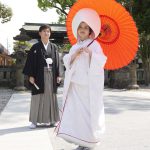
35 63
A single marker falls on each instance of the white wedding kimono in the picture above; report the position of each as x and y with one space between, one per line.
83 119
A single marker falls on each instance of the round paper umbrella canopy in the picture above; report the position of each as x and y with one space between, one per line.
118 37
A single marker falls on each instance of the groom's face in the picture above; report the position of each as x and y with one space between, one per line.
45 34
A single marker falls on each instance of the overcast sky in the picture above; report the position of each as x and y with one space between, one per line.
23 11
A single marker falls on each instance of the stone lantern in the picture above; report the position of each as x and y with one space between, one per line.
20 56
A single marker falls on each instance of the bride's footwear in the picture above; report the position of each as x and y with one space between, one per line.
79 148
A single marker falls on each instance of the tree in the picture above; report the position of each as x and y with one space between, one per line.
140 11
141 14
22 45
62 7
144 54
129 5
5 13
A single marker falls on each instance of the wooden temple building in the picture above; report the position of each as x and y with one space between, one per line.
5 59
58 36
6 67
29 32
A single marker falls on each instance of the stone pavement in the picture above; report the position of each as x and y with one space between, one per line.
127 123
5 95
14 131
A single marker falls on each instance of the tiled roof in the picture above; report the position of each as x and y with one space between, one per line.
35 27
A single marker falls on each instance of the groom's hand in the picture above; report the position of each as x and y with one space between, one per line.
31 80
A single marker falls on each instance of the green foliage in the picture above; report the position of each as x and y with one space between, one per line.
139 9
144 47
5 13
62 7
65 47
20 45
141 12
62 17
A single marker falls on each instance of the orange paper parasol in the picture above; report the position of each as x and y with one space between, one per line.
119 36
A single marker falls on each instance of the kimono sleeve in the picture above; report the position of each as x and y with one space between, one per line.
98 58
29 65
67 58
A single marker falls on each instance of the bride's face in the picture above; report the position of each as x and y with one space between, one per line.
83 31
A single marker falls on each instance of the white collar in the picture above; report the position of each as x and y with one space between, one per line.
84 42
46 45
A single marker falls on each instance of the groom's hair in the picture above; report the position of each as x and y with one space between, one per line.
43 27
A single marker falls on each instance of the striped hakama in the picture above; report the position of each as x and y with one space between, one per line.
44 107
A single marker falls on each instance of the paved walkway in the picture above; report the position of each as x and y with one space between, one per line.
14 131
5 95
127 124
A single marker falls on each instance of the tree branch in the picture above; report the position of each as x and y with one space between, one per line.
65 13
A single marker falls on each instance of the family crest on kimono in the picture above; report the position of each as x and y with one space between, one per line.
83 120
42 69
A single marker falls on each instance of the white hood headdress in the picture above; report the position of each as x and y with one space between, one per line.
88 16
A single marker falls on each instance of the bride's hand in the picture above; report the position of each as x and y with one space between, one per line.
87 50
79 51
